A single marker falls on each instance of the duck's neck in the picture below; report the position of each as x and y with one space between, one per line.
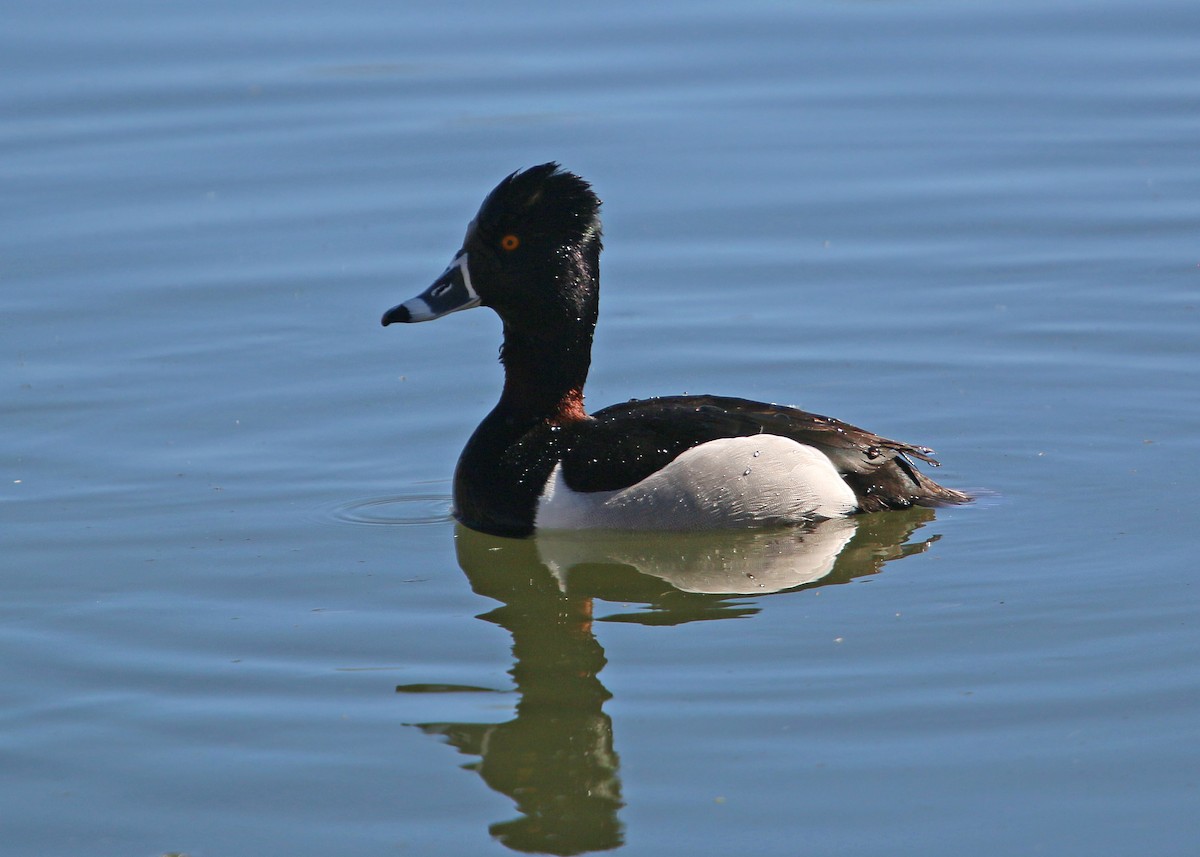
544 375
547 351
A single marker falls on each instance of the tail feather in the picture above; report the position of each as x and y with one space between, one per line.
899 485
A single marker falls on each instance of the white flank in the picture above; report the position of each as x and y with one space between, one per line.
728 483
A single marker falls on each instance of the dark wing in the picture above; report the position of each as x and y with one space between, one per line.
625 443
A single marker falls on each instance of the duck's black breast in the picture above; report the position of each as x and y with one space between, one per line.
502 472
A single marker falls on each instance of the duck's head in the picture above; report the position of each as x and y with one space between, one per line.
532 254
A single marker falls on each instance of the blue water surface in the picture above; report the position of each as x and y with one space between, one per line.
238 618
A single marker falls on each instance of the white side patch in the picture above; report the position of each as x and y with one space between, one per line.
728 483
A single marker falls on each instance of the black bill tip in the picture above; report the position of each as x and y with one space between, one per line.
395 315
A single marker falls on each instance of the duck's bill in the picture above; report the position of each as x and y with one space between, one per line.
449 293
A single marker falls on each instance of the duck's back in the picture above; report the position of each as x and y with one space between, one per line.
630 441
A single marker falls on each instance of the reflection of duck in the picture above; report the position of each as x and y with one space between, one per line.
746 562
555 758
532 254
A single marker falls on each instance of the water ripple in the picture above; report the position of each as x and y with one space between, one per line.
397 510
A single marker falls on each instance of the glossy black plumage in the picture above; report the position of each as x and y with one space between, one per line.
532 254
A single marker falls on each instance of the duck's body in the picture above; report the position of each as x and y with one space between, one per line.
539 461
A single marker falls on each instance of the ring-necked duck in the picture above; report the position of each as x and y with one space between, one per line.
539 461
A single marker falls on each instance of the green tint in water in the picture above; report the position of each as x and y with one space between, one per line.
555 759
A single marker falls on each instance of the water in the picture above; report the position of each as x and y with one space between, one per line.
237 618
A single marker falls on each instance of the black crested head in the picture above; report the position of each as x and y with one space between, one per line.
546 204
534 256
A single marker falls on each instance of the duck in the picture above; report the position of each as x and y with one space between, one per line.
540 462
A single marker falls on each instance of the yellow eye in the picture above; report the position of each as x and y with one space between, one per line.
510 242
